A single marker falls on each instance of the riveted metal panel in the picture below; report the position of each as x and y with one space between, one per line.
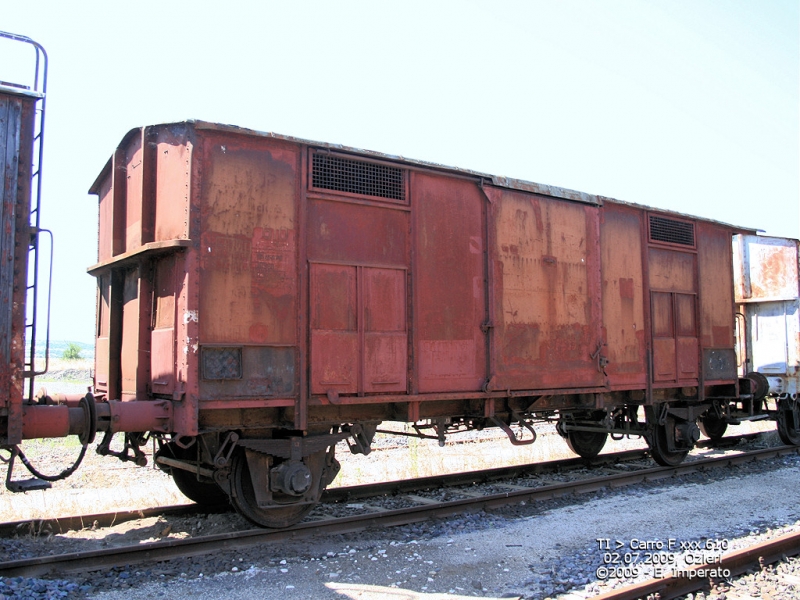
173 167
687 355
134 175
167 275
334 329
135 343
671 270
715 277
248 249
105 235
662 318
385 336
664 367
357 233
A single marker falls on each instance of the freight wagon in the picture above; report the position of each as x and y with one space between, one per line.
767 291
261 298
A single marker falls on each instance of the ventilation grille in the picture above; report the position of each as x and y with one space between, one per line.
671 231
222 363
357 177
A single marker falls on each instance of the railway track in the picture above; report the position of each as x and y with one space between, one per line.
173 548
62 525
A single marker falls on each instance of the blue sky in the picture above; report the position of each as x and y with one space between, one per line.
689 105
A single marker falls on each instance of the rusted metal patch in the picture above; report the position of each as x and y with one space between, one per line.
766 268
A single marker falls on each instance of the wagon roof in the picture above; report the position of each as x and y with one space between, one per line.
496 180
16 90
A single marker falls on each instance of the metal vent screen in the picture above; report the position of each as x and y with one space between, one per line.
357 177
222 363
671 231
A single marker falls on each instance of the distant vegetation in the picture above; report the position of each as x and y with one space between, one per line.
72 352
59 347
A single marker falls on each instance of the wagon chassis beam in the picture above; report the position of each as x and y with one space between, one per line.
186 466
637 431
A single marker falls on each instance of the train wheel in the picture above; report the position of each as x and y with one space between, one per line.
586 444
244 500
789 421
713 427
662 440
205 493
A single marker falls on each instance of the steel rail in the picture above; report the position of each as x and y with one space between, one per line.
688 580
167 549
331 495
58 525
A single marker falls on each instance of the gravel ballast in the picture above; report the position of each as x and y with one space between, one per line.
536 550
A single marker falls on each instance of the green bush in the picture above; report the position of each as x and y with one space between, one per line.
72 352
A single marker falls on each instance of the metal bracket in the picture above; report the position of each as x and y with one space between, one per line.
602 361
222 459
510 432
104 449
22 485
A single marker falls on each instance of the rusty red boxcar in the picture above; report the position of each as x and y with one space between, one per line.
261 298
293 293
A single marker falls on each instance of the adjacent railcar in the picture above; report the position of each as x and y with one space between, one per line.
17 108
767 291
21 134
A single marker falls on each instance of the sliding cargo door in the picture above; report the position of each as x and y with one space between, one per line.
359 336
449 284
547 287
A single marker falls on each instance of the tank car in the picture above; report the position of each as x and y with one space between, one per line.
261 298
